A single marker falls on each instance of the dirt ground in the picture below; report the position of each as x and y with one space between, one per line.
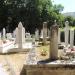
17 59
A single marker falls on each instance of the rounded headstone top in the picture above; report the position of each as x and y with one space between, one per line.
20 25
66 23
55 22
4 29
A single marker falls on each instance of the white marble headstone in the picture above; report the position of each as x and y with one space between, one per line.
0 35
21 35
4 33
37 34
16 32
66 33
71 38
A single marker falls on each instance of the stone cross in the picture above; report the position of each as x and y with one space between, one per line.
66 33
71 38
44 32
54 43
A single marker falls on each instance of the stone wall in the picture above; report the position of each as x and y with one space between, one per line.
48 70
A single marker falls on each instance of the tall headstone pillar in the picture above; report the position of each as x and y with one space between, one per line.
54 42
4 33
37 34
44 32
16 32
71 38
0 35
21 35
66 33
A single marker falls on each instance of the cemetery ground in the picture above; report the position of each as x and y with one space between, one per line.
17 59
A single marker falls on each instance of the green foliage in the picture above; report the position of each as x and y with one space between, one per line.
32 13
69 19
58 8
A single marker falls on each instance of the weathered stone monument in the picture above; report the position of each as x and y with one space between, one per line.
44 32
37 34
54 42
66 33
21 35
71 38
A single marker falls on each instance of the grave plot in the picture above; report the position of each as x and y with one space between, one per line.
17 44
54 62
6 45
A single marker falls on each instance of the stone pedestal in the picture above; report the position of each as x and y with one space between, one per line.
48 69
54 43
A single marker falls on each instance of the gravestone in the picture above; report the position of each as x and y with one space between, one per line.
59 34
37 34
28 35
4 33
0 35
54 42
21 35
9 36
44 32
41 34
66 33
71 38
48 33
17 36
14 34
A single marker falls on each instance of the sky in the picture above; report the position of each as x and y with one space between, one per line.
69 5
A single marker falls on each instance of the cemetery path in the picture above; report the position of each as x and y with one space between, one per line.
16 60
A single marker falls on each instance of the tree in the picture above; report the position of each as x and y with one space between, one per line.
69 19
58 8
32 13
